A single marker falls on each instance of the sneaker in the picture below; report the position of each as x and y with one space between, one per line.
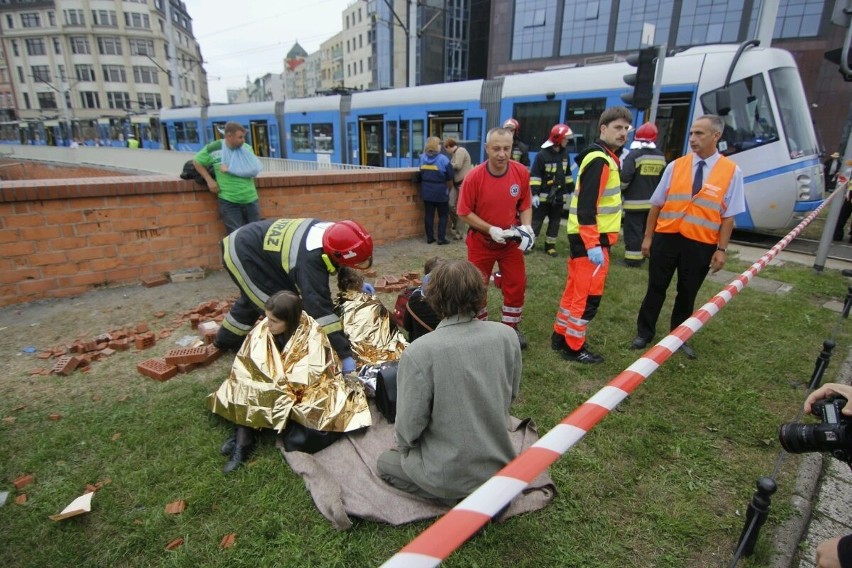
583 355
557 342
550 251
521 339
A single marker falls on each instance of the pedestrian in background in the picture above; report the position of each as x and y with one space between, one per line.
460 159
235 167
689 227
550 182
436 179
594 219
641 171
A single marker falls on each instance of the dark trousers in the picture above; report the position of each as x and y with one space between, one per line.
443 209
840 227
235 215
673 253
552 211
241 318
634 234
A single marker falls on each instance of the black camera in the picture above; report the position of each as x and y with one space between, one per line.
834 435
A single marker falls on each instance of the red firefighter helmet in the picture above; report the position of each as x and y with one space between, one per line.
348 244
646 133
557 134
512 124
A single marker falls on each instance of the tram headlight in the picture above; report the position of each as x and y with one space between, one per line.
804 182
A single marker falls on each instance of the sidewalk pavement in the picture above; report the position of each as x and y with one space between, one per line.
823 493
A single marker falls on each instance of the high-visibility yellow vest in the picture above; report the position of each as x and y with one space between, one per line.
609 204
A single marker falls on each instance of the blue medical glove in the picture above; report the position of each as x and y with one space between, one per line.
535 200
348 365
367 288
596 255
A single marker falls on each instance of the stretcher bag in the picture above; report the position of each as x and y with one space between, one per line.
386 390
401 305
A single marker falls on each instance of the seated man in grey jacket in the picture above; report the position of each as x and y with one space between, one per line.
455 386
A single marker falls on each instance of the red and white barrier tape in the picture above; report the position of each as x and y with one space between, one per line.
463 521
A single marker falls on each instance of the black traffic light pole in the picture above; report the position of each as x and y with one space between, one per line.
647 80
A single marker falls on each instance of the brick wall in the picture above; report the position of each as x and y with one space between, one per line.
29 169
62 237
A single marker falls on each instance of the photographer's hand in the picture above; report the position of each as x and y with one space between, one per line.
826 391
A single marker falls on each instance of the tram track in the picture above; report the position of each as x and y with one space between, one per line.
800 245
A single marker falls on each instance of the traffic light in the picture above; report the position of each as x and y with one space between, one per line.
642 81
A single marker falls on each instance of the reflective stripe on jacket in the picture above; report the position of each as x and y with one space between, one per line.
700 217
608 203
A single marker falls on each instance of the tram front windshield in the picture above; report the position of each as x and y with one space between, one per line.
795 115
749 123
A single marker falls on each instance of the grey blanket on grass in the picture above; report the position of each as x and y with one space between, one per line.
343 481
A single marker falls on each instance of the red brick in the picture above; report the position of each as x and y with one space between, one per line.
186 355
194 320
21 499
45 355
145 341
120 344
141 327
185 368
151 281
106 352
23 481
55 416
213 353
65 365
157 369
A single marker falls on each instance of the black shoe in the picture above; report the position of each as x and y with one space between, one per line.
443 242
583 355
430 241
557 342
688 351
521 339
238 457
631 263
846 272
550 251
640 342
228 447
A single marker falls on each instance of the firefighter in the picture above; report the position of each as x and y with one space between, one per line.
641 171
594 219
268 256
520 151
550 181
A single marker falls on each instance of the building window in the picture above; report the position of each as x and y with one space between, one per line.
535 24
30 20
347 21
27 101
89 99
46 100
35 46
114 74
142 74
141 46
149 101
109 46
40 73
10 21
74 18
585 28
633 14
57 46
15 51
21 77
137 20
360 41
80 45
51 18
84 72
709 22
798 18
104 18
118 100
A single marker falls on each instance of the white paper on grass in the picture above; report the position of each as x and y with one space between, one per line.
80 505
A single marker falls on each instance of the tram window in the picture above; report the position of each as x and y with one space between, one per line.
186 132
391 138
324 138
404 140
792 104
583 116
750 122
154 130
536 120
301 136
416 138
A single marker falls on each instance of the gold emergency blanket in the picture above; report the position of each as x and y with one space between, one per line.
372 334
266 388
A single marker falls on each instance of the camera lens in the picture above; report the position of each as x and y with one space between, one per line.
797 438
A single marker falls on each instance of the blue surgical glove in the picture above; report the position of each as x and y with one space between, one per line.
367 288
596 255
348 365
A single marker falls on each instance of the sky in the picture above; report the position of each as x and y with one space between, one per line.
251 37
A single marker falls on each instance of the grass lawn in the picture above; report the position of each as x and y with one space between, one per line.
663 482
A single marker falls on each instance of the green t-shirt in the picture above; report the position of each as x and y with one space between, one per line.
231 188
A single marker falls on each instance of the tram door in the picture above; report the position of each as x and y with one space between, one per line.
672 122
446 125
218 131
259 138
392 143
372 141
353 147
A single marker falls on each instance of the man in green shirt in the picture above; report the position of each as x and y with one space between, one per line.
234 184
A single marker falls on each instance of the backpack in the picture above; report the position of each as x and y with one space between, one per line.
401 305
386 390
189 172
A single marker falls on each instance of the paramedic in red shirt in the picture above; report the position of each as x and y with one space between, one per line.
496 203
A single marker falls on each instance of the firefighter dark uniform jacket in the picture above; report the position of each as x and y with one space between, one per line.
594 216
272 255
520 152
641 171
550 176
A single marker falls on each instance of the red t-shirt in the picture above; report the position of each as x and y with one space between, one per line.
497 200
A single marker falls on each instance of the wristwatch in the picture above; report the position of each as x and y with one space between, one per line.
722 249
